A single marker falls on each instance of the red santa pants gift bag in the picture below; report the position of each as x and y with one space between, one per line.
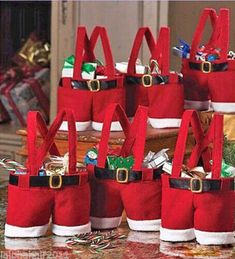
34 198
207 62
90 97
136 81
137 190
221 85
198 207
166 95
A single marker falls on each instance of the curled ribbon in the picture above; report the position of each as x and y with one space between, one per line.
36 53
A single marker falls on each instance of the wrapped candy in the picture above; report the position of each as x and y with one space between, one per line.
122 68
195 172
155 160
91 156
231 54
88 70
183 50
57 165
227 170
67 70
52 165
115 162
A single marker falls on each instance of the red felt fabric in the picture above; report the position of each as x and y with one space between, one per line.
89 105
141 199
211 211
164 101
33 206
221 87
199 86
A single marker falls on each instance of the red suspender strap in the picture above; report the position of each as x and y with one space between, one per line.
161 51
217 136
213 135
102 33
139 129
135 134
189 117
220 35
83 43
207 12
112 109
38 154
142 32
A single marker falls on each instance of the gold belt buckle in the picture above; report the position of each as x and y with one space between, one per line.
147 80
52 186
119 170
203 67
191 185
92 83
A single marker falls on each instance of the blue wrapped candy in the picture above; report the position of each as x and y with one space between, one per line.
183 50
91 157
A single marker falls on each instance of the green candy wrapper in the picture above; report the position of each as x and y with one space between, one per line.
227 170
88 69
115 162
69 62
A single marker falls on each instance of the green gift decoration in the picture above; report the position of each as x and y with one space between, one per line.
69 62
115 162
227 170
88 68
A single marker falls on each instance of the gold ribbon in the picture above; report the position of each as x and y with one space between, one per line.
35 52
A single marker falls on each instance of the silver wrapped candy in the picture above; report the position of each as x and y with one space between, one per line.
155 160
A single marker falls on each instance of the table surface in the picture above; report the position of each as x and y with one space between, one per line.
138 245
116 137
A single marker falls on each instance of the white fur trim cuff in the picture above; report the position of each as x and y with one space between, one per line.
14 231
144 225
80 125
115 126
105 223
223 107
70 231
164 123
175 235
214 238
197 105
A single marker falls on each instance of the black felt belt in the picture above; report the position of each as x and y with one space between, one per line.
208 67
123 175
48 181
198 185
94 85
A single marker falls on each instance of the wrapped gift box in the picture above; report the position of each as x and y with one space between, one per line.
29 94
